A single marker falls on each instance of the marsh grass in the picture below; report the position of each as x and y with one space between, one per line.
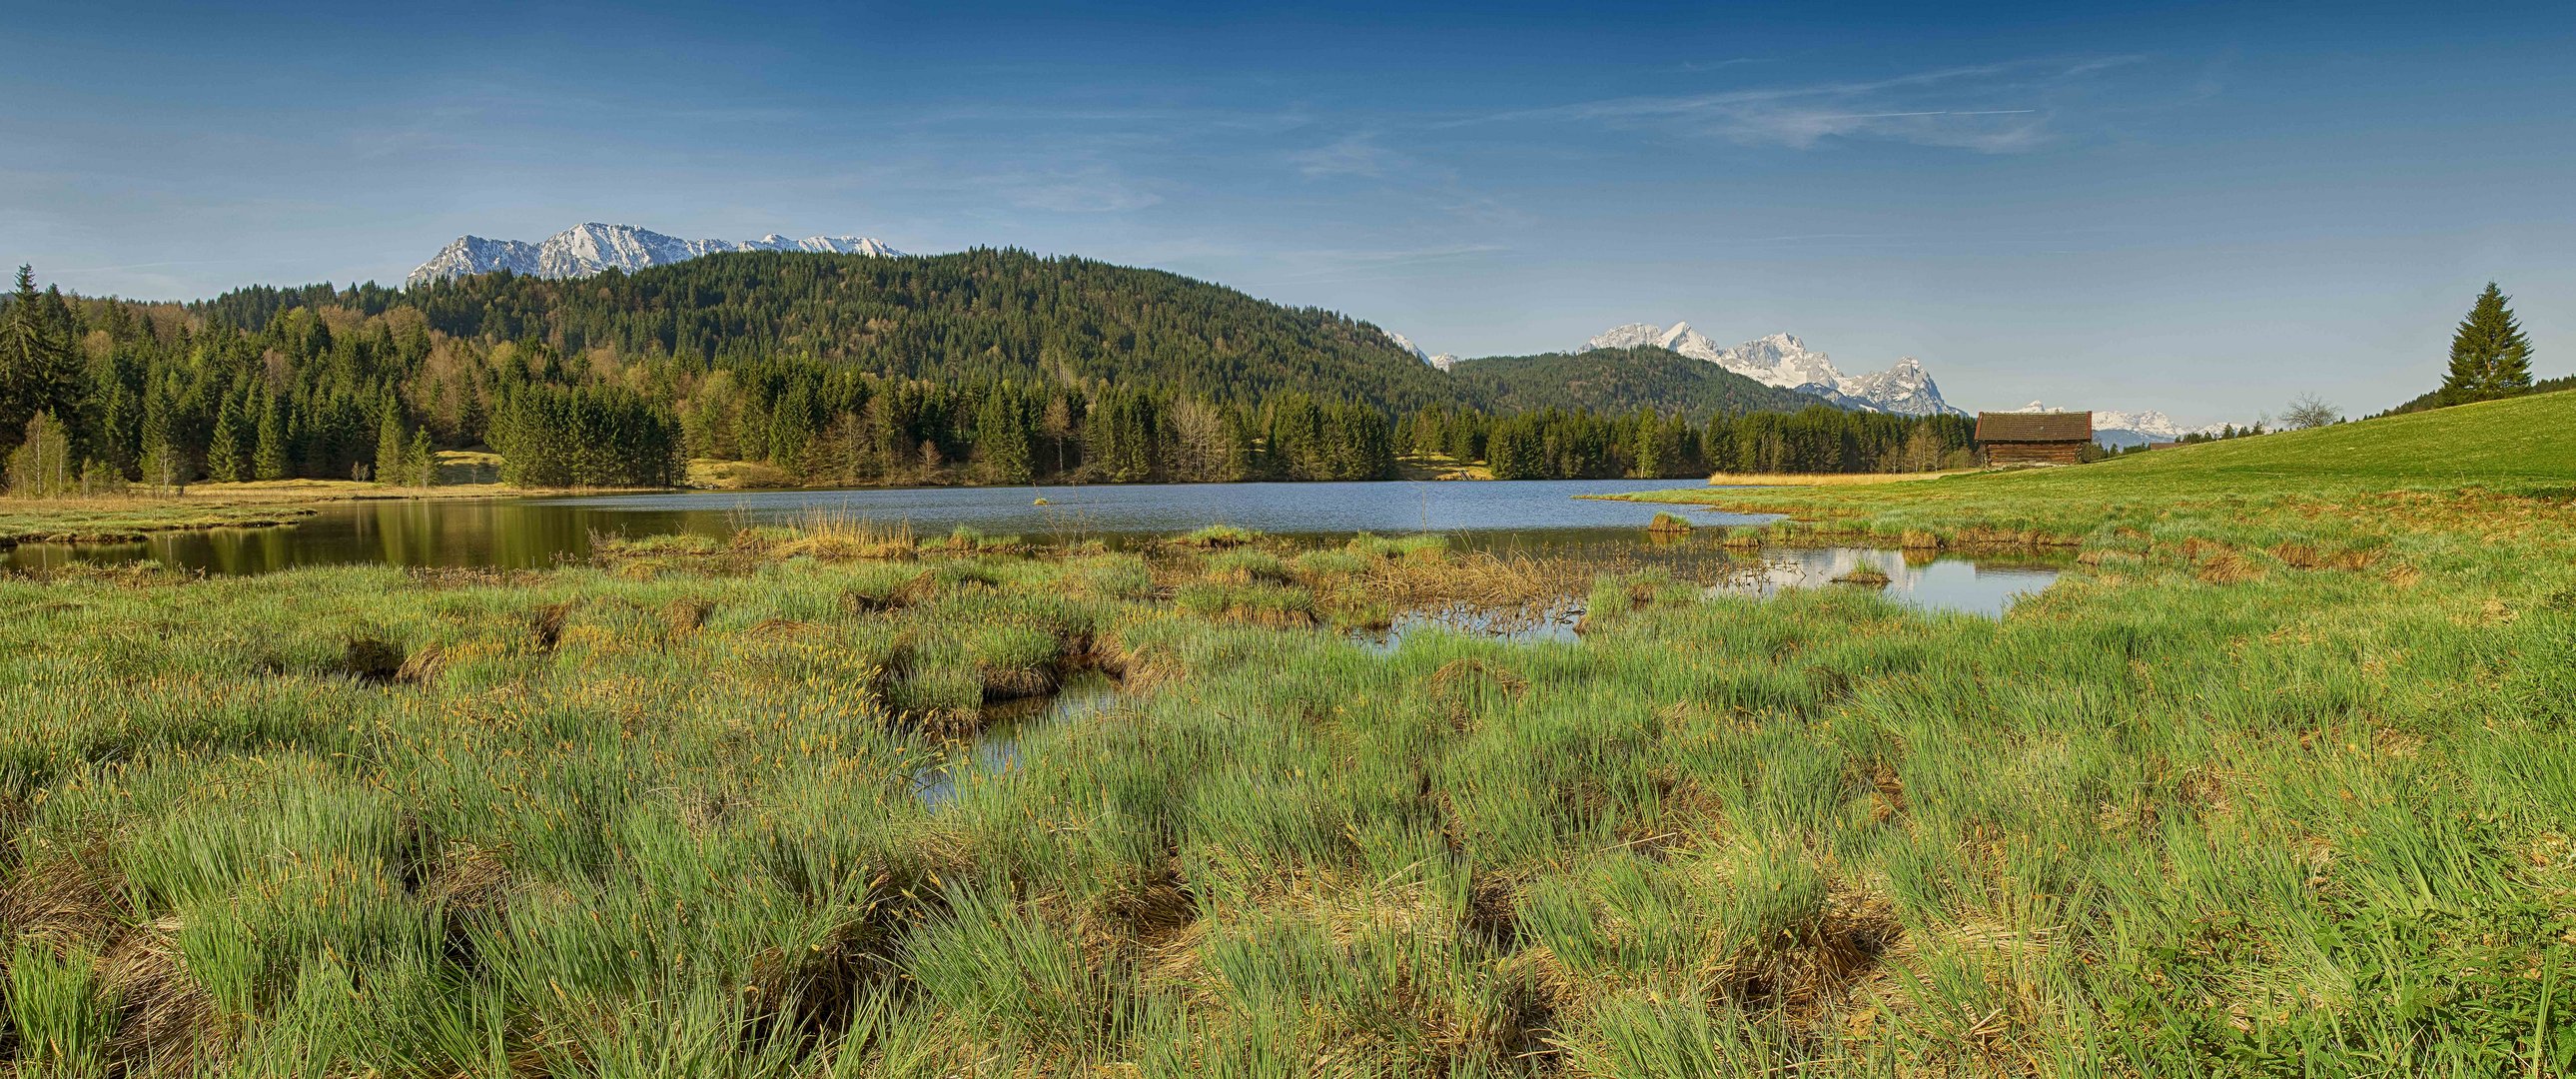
115 520
2277 786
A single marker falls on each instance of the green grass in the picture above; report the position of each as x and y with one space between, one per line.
2276 782
2523 445
108 519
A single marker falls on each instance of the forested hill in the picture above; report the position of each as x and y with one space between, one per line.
976 315
1618 380
985 366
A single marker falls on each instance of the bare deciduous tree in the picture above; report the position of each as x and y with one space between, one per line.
1199 448
2307 410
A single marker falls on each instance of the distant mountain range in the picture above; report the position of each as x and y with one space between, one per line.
1443 361
2115 428
1782 360
590 248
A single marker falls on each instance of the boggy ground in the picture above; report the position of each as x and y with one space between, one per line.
2272 786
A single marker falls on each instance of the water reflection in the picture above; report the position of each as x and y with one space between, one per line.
1968 585
524 533
1978 585
1546 622
996 750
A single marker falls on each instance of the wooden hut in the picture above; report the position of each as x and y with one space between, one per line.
2034 438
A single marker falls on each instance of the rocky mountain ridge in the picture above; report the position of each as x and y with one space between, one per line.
593 247
1781 359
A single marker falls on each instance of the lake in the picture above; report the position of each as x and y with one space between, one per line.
1522 516
518 533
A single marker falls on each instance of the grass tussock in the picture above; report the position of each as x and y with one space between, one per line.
658 815
1820 479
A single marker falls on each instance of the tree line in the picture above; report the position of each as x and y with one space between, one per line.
1556 443
981 385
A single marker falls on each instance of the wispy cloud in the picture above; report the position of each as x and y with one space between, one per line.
1314 265
1087 189
1991 108
1350 155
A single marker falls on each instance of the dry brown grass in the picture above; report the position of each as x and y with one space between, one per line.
832 537
1823 479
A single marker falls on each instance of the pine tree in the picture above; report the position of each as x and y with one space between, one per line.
227 460
2490 357
1002 437
418 462
165 463
268 461
119 428
390 445
33 358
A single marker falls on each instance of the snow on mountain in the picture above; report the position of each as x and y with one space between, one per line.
593 247
1443 361
1905 389
473 255
1632 335
1783 360
2112 427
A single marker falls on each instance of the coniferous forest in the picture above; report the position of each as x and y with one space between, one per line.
989 366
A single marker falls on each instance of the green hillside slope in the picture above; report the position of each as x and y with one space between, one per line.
1619 380
2524 445
2513 442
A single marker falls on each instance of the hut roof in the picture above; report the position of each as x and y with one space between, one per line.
2034 426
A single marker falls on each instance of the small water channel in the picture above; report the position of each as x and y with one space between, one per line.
1986 586
995 750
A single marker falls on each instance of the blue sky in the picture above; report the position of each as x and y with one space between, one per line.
2199 209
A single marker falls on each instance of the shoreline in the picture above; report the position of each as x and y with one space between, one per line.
207 507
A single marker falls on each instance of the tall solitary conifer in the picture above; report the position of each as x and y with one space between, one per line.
2490 357
390 445
35 367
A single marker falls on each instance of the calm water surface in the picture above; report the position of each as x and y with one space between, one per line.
996 750
1942 584
1521 516
517 533
1937 585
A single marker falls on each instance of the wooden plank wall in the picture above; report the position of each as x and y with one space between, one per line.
2025 453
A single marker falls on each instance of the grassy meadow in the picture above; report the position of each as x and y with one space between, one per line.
2277 782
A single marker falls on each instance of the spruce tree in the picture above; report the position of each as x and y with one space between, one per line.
226 457
119 428
1002 437
31 359
418 462
2490 357
390 445
268 461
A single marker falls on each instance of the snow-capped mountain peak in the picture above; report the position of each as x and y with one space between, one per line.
1782 360
1687 341
592 247
2112 427
1632 335
1443 361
